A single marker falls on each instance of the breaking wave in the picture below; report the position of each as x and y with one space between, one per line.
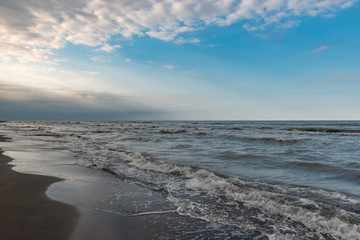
277 211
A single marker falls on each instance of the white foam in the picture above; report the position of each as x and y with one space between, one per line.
337 222
270 202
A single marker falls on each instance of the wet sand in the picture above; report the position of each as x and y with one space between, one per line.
26 213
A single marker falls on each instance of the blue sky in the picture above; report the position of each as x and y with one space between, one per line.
180 60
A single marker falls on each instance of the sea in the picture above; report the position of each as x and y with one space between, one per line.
218 179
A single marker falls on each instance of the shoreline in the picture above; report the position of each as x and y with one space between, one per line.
29 212
155 181
26 211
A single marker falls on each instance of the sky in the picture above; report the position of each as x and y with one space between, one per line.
180 60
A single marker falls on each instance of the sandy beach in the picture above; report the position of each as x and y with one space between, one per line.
25 210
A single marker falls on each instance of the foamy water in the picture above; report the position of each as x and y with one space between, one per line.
286 180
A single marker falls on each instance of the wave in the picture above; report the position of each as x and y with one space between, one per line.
266 128
170 131
274 139
341 124
203 194
324 130
200 133
47 135
312 215
353 164
137 139
204 128
102 131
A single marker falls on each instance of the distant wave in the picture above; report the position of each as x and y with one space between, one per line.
278 140
171 131
273 139
137 139
324 130
337 124
266 128
103 131
353 164
48 135
204 128
200 133
236 128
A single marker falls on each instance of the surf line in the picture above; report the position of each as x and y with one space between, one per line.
131 215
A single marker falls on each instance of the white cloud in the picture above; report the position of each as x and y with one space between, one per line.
108 48
167 67
181 40
172 67
31 29
128 60
23 53
90 72
98 59
320 49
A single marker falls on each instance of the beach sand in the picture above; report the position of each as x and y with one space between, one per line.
27 213
25 210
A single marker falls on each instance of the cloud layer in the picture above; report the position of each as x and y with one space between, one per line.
31 29
31 103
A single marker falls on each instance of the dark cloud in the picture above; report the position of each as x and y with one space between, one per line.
24 103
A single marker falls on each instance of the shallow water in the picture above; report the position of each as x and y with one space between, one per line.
287 180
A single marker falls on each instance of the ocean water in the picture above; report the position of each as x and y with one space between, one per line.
260 180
